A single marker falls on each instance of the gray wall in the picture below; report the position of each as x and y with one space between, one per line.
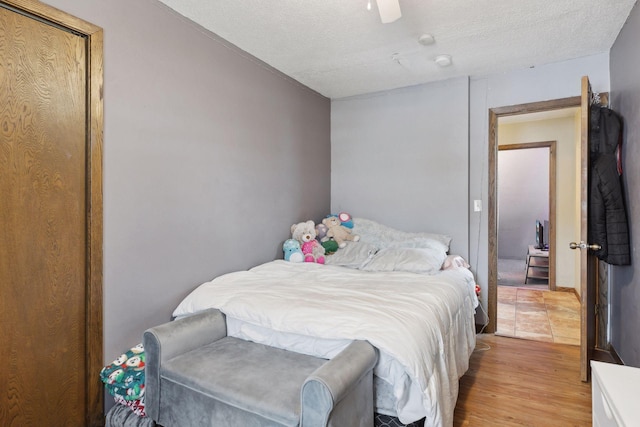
389 147
400 157
209 157
523 198
625 98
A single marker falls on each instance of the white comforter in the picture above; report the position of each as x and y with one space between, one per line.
422 325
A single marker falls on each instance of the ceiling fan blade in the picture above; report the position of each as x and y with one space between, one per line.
389 10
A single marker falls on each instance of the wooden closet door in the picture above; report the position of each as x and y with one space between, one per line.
44 239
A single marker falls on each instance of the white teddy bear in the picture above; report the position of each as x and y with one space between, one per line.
305 233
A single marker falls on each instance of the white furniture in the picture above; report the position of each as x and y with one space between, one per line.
614 394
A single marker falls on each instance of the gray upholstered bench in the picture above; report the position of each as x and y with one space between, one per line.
196 375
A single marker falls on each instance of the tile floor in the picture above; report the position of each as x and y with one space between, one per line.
538 315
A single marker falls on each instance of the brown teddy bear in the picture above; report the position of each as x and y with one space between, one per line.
338 232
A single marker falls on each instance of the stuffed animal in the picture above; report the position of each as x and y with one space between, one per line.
330 246
305 233
321 231
345 220
292 251
338 232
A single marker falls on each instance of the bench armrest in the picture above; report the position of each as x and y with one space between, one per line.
325 388
164 342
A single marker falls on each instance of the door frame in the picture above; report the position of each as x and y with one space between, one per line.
94 403
494 115
551 145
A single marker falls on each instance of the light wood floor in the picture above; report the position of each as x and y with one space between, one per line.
516 382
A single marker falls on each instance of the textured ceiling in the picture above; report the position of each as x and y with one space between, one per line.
339 48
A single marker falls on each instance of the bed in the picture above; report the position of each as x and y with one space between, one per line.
389 289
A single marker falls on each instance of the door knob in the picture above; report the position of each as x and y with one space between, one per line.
583 245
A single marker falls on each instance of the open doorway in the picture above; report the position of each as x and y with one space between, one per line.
526 245
532 313
526 214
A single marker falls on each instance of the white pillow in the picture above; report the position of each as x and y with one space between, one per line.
413 260
385 237
354 255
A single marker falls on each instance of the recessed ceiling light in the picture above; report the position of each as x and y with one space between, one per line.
442 60
426 39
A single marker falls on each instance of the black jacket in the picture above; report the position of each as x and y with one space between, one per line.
607 215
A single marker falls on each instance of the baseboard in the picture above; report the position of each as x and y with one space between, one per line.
565 289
